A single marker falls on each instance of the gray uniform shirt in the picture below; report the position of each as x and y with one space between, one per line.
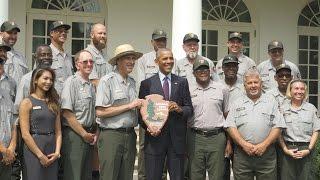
254 120
114 90
301 123
209 104
101 67
16 65
6 118
185 69
278 96
23 90
78 96
267 72
235 91
62 66
9 85
244 64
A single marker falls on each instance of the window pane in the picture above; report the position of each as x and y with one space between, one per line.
39 27
303 21
245 17
212 37
314 42
313 100
304 71
39 4
36 42
48 41
49 24
212 53
303 57
77 30
313 57
303 42
204 37
245 38
77 45
88 29
241 7
206 6
246 51
313 72
87 43
203 49
313 87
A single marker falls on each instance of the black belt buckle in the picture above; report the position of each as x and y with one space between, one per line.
126 130
207 132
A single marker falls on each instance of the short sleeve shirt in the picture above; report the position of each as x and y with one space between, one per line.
301 122
62 66
16 65
8 84
22 90
114 90
6 118
255 120
235 91
78 96
267 72
280 98
101 67
245 63
209 104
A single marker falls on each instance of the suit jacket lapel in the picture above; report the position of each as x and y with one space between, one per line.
156 87
174 86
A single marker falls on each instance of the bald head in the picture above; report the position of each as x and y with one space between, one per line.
98 36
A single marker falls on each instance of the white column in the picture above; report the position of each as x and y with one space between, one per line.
4 11
186 19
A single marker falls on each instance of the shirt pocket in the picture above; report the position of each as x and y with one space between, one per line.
268 119
58 69
265 78
120 98
85 100
306 125
23 66
240 118
100 61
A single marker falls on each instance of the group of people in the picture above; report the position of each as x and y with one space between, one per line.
79 124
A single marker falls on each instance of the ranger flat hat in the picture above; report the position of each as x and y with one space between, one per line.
200 62
159 33
236 35
57 24
283 66
190 36
275 45
123 50
3 45
9 26
230 58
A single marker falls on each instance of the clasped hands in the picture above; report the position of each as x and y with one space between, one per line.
295 153
254 150
8 156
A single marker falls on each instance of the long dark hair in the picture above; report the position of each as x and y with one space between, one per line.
52 97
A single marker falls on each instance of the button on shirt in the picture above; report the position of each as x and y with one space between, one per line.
78 96
209 104
185 69
16 65
267 72
114 90
62 66
6 118
22 90
301 122
235 91
8 84
244 64
254 120
101 67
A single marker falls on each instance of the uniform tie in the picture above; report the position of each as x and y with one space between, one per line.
165 88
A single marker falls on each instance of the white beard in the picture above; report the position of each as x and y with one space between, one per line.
192 55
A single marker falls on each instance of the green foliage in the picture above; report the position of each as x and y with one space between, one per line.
316 163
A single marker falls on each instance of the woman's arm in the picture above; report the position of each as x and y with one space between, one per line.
54 156
24 114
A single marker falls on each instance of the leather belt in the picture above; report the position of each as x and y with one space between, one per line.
211 132
297 143
42 133
124 130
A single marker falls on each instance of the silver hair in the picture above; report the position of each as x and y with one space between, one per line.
251 72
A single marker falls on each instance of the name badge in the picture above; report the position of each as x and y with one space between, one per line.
36 107
240 109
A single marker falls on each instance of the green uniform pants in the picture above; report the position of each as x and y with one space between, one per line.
76 156
117 151
206 153
5 171
247 167
141 163
296 169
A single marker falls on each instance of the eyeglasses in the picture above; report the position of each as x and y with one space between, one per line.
86 62
282 76
200 71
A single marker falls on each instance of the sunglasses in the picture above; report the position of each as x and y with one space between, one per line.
86 62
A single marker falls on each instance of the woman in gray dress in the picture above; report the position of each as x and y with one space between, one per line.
39 116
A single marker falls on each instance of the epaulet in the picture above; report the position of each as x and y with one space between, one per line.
109 76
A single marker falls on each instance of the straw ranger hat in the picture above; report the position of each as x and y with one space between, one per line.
123 50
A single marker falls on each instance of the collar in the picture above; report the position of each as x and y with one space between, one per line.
162 76
94 49
122 80
270 66
262 98
210 85
83 81
55 50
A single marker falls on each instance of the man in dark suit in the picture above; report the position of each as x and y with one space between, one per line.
170 141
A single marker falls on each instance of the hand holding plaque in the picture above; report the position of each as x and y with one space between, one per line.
154 112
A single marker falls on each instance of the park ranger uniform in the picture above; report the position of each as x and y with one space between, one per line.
6 125
301 124
8 84
101 67
16 65
78 96
117 140
267 73
206 139
245 63
254 121
62 66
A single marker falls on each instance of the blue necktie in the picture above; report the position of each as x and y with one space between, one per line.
165 88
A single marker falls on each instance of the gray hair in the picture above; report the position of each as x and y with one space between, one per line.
251 72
